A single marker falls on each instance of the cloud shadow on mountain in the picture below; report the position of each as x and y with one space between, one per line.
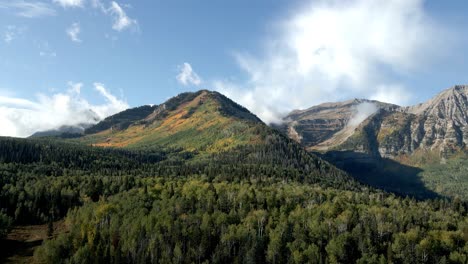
382 173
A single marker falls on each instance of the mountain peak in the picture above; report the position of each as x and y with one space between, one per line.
456 90
332 106
460 87
179 103
196 121
450 103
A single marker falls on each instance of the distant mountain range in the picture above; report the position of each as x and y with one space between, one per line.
415 150
386 130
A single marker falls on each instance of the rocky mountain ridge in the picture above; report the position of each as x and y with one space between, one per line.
389 131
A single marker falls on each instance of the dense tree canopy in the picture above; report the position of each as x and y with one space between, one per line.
195 221
270 203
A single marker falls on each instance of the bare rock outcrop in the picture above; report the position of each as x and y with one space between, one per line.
439 124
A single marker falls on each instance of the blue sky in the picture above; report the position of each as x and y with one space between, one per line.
143 59
59 58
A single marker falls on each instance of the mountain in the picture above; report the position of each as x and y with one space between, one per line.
442 121
328 124
63 131
121 120
386 145
388 131
208 129
203 121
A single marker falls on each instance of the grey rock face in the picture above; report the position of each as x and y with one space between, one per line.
438 124
441 122
320 123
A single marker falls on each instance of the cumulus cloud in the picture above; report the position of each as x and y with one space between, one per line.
121 20
21 117
335 50
73 31
70 3
29 9
187 76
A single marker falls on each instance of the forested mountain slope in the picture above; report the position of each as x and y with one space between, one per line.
206 127
42 179
139 207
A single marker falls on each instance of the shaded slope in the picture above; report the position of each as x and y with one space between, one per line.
121 120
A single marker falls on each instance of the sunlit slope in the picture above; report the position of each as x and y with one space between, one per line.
203 121
205 130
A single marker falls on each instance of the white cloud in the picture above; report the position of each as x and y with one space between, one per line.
335 50
73 31
69 3
187 76
29 9
363 111
121 20
391 93
21 117
114 105
12 32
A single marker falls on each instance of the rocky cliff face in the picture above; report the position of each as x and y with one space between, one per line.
443 119
439 124
329 122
